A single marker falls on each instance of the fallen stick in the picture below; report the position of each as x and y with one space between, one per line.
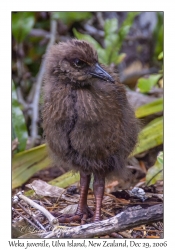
130 218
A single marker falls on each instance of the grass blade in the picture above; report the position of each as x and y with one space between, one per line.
150 108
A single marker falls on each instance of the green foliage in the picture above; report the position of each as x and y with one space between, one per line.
160 56
155 173
160 157
145 84
149 108
113 42
158 34
125 27
113 39
19 129
66 179
25 164
22 23
68 17
150 136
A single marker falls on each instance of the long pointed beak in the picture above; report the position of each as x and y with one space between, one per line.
99 72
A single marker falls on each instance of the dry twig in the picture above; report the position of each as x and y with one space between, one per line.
52 220
32 215
130 218
37 86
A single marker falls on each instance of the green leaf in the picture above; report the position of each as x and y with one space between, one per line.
150 136
129 19
158 34
111 40
149 108
68 17
25 164
66 179
160 56
111 48
154 174
125 27
160 158
110 26
146 84
19 129
22 23
114 39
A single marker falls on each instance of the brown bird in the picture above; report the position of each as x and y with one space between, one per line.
87 120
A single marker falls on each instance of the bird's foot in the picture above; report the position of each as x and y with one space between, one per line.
79 216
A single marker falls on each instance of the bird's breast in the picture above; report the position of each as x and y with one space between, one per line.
97 122
82 122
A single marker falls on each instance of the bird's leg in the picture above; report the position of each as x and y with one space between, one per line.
84 186
83 211
98 188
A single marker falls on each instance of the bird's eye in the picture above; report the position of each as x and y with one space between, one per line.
79 63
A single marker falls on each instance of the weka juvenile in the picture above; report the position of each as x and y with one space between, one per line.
87 120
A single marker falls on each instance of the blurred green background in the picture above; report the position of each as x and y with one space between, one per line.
131 43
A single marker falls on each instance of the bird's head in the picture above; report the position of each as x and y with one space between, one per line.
75 62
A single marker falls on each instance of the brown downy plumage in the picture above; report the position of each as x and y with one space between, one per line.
87 120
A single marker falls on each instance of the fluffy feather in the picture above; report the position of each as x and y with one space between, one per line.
88 122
